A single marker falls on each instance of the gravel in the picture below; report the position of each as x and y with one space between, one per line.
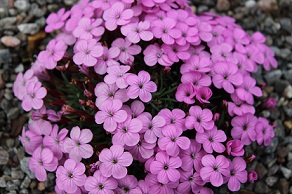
22 23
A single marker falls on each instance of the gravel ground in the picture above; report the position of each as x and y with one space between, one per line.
22 36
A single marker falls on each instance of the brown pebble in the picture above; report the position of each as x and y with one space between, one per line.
10 41
268 5
33 185
33 41
223 5
41 186
288 124
4 156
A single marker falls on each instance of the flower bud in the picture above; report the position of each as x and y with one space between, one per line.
216 116
270 103
235 148
252 176
250 159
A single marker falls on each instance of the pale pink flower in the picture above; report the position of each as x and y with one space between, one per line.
127 50
159 187
221 52
238 106
118 75
190 182
117 15
40 127
186 93
153 54
128 185
175 117
108 58
204 31
237 174
199 119
57 20
247 89
264 131
197 79
136 109
188 34
87 29
235 148
103 4
137 31
269 58
176 52
30 140
196 63
21 81
34 97
204 94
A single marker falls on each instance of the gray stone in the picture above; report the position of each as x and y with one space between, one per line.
22 5
289 164
25 169
273 146
17 174
223 5
273 170
13 113
12 192
8 21
261 170
29 28
288 92
271 180
281 85
290 156
11 186
286 24
12 12
5 56
250 3
4 157
261 187
41 22
2 182
272 76
25 183
283 186
9 142
286 172
23 191
288 110
288 75
36 11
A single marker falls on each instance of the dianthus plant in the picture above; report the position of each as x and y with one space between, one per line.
143 96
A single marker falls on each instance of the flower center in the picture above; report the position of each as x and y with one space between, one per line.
115 161
100 187
165 167
193 155
70 175
211 139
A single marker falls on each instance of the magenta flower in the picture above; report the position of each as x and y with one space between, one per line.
196 63
117 15
99 184
247 89
165 29
176 52
110 114
140 86
226 75
55 141
270 103
253 55
236 38
57 20
62 191
214 169
199 119
70 176
104 5
190 182
166 168
77 146
128 185
42 160
86 52
191 158
117 74
211 140
235 148
158 187
264 131
153 54
244 128
54 52
137 31
269 58
30 140
151 127
87 29
252 176
127 50
196 78
114 161
237 174
108 58
186 93
136 109
21 81
217 33
171 141
34 97
175 117
221 52
127 132
239 107
204 94
41 127
188 34
204 31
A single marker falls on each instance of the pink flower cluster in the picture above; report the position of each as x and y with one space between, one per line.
112 59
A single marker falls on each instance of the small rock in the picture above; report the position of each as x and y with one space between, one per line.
5 56
273 170
286 172
25 183
10 41
23 191
22 5
19 68
272 76
290 157
223 5
282 151
11 186
268 5
286 24
283 186
4 157
8 21
271 180
273 146
29 28
288 74
261 187
9 142
41 186
261 170
288 110
250 3
2 182
25 169
281 85
17 174
13 113
288 92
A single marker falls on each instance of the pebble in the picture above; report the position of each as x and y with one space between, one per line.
17 174
29 28
288 92
223 5
250 3
268 5
41 186
261 170
271 180
4 156
273 146
261 187
8 21
286 172
10 41
22 5
283 186
25 169
2 182
5 56
281 85
273 76
286 24
25 183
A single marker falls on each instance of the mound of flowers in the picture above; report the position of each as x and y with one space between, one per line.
144 97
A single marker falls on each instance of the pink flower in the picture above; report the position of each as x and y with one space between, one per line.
62 191
54 52
108 58
127 132
239 107
191 158
235 148
211 140
128 185
252 176
55 141
190 182
40 127
236 38
42 160
110 114
204 31
175 117
57 20
172 141
204 94
237 174
270 103
117 74
196 63
253 55
21 81
87 29
269 58
153 54
77 146
117 15
196 78
34 97
165 29
166 168
151 127
86 52
140 86
217 33
186 93
99 184
114 161
244 128
264 131
30 140
199 119
247 89
137 108
176 52
70 176
104 5
127 50
158 187
214 169
189 34
137 31
226 75
221 52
